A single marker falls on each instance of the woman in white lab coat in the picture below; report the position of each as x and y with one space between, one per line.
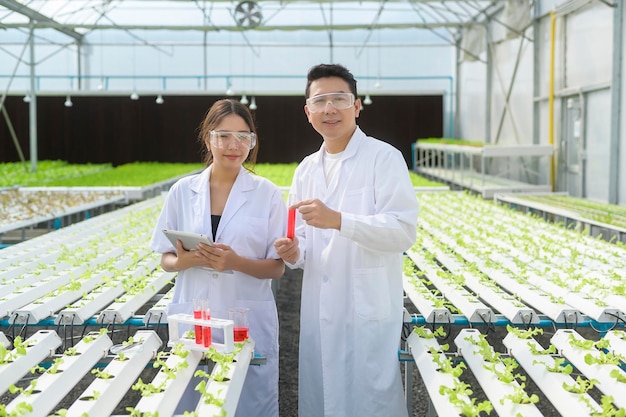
245 214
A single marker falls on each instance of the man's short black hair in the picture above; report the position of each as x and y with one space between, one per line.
329 70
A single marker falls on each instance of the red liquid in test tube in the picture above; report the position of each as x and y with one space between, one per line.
197 314
206 331
291 223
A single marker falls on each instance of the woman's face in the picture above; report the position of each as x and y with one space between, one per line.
229 150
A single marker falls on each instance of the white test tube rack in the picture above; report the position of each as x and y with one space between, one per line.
226 325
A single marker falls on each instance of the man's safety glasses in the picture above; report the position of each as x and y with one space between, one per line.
222 139
340 101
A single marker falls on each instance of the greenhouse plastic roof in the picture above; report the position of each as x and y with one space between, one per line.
77 18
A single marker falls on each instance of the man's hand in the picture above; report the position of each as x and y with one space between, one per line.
317 214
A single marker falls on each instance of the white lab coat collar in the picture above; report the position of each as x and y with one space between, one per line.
201 199
351 148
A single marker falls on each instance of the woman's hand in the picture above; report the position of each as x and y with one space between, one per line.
181 260
219 256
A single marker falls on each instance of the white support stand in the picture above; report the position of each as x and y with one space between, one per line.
51 388
34 303
532 296
551 383
77 315
600 372
495 389
4 341
432 377
577 300
111 391
503 302
20 275
157 314
422 299
467 303
38 347
226 325
574 215
38 291
45 307
467 166
123 309
102 296
164 403
228 391
617 339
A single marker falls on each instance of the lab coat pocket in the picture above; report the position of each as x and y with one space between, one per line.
371 293
357 201
179 308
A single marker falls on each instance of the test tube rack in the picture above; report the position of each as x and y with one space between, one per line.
224 324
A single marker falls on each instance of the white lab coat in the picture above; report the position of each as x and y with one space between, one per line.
255 216
352 296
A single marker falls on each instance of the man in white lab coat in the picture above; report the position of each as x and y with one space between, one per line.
357 214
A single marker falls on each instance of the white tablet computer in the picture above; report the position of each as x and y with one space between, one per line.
190 242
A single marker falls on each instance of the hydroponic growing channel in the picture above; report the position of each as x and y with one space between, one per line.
467 276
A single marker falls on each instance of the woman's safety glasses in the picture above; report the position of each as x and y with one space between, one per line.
340 101
222 139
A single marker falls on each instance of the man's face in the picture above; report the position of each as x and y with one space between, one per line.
335 125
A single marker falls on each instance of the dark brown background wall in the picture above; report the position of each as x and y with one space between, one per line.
119 130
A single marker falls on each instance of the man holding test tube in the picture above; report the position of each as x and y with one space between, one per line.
357 214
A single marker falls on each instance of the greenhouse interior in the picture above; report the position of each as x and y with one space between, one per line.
509 116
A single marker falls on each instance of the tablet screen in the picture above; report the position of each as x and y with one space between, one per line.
190 242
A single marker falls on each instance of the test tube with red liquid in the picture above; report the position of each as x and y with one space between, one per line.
291 219
206 330
198 307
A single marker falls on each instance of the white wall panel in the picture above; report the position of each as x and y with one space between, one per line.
621 192
583 59
517 122
588 45
598 137
472 101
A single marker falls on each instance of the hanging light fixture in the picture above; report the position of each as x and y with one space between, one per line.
253 104
68 101
26 98
134 96
159 99
229 87
244 100
367 101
